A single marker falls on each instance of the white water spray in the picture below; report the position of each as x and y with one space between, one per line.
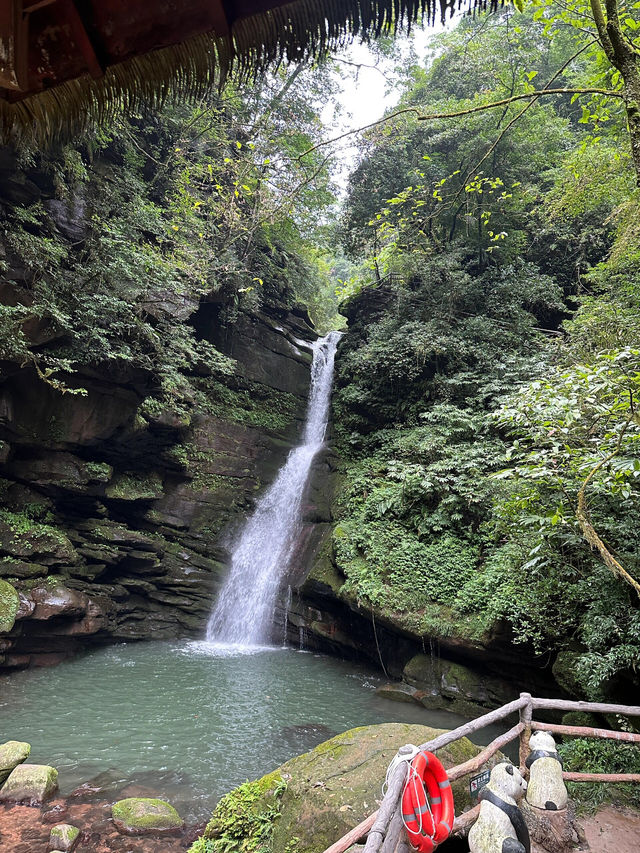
243 614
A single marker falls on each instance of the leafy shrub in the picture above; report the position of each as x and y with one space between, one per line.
601 756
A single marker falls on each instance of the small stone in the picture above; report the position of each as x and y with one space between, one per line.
142 816
64 837
12 753
33 783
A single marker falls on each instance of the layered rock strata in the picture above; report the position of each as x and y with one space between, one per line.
113 507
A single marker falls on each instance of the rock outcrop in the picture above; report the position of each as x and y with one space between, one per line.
312 800
113 509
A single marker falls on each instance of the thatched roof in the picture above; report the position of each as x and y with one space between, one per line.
66 63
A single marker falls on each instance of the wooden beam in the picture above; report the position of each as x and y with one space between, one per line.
587 731
592 707
388 807
14 46
463 823
395 831
353 836
28 8
475 763
81 37
601 777
525 734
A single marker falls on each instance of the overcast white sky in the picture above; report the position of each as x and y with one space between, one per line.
365 94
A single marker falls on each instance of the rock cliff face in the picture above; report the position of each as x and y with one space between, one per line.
113 507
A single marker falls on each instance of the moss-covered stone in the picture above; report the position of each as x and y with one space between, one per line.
324 569
329 789
9 603
31 783
135 486
460 687
21 537
11 568
145 816
64 837
580 718
247 815
12 753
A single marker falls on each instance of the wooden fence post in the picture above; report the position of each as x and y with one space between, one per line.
526 713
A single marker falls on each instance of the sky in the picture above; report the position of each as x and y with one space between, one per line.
366 94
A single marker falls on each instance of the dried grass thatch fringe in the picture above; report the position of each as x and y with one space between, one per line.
185 71
295 32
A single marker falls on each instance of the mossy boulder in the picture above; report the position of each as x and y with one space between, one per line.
12 753
461 687
64 837
34 542
31 783
9 604
330 789
145 816
581 718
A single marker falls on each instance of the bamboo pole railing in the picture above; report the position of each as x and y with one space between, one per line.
384 828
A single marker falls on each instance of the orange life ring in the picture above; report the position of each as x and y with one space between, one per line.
427 814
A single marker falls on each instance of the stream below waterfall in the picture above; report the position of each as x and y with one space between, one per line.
185 722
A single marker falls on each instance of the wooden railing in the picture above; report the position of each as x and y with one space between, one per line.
384 828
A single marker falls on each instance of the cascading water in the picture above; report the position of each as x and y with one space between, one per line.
243 614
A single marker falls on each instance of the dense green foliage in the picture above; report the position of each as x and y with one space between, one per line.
139 221
473 400
592 756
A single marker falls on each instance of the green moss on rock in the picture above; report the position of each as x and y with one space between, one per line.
64 837
244 819
31 783
135 486
10 568
142 815
328 791
12 753
9 603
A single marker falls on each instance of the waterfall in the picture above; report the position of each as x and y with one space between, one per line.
243 614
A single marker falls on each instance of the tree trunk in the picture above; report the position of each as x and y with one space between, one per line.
623 56
631 76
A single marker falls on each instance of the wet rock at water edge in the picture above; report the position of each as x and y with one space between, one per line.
145 816
64 837
400 692
30 783
12 753
307 735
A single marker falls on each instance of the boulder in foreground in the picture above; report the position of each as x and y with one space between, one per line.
319 796
30 783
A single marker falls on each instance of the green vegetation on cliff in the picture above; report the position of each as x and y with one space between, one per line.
486 403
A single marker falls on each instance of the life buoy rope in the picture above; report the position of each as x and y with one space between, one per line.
427 803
